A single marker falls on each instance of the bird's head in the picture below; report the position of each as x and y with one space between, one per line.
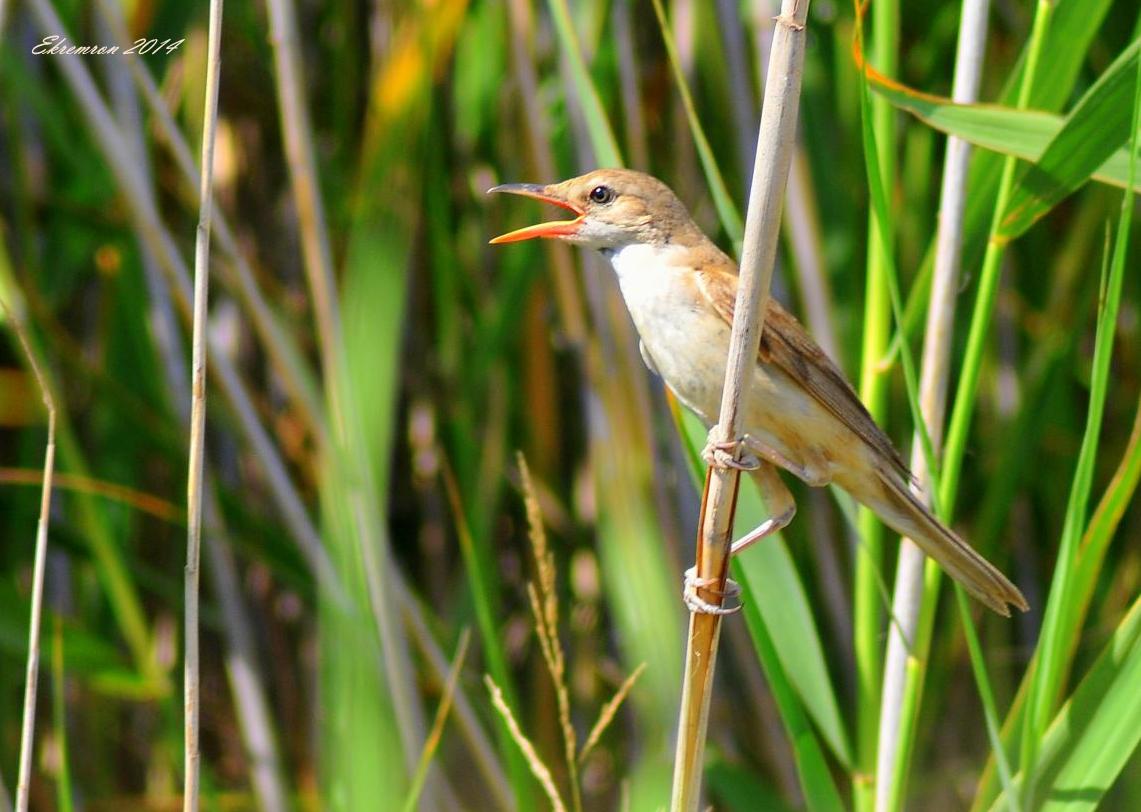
613 208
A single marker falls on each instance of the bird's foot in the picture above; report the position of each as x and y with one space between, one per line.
729 453
699 605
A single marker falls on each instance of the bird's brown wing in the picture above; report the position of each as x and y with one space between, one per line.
787 345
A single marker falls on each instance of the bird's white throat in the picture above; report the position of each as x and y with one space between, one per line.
643 271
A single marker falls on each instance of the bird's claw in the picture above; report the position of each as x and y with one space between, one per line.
729 454
699 605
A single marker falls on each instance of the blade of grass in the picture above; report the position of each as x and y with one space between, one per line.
986 695
1093 131
1101 529
742 105
820 791
297 134
1095 732
628 63
480 748
601 134
1097 538
432 742
1069 150
1055 645
375 727
64 792
963 406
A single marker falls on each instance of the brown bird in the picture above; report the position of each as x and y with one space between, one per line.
802 414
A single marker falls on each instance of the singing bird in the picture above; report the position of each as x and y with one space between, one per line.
801 415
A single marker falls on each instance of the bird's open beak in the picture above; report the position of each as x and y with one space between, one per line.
554 228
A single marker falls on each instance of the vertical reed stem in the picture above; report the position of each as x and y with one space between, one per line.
770 175
198 407
908 596
867 598
27 731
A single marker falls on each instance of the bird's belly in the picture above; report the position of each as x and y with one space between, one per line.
689 349
689 352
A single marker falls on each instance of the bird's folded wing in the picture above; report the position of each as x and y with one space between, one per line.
787 345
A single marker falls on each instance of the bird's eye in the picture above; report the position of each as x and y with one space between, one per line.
601 194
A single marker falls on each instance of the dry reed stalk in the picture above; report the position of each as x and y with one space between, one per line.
297 134
935 371
247 685
770 175
27 731
196 465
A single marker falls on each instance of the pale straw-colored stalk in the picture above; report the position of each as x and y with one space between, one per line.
935 370
191 683
762 225
802 226
247 685
297 135
28 727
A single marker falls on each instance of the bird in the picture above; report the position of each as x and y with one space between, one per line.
801 415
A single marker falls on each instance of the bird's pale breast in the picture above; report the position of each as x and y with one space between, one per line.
688 342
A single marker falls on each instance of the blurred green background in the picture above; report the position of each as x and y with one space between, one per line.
375 366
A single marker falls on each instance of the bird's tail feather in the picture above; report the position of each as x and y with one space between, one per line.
903 512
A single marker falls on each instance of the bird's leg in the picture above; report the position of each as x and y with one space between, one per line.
779 501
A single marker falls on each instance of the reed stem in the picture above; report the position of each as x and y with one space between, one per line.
770 175
196 465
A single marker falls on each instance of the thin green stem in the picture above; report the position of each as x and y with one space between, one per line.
868 609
